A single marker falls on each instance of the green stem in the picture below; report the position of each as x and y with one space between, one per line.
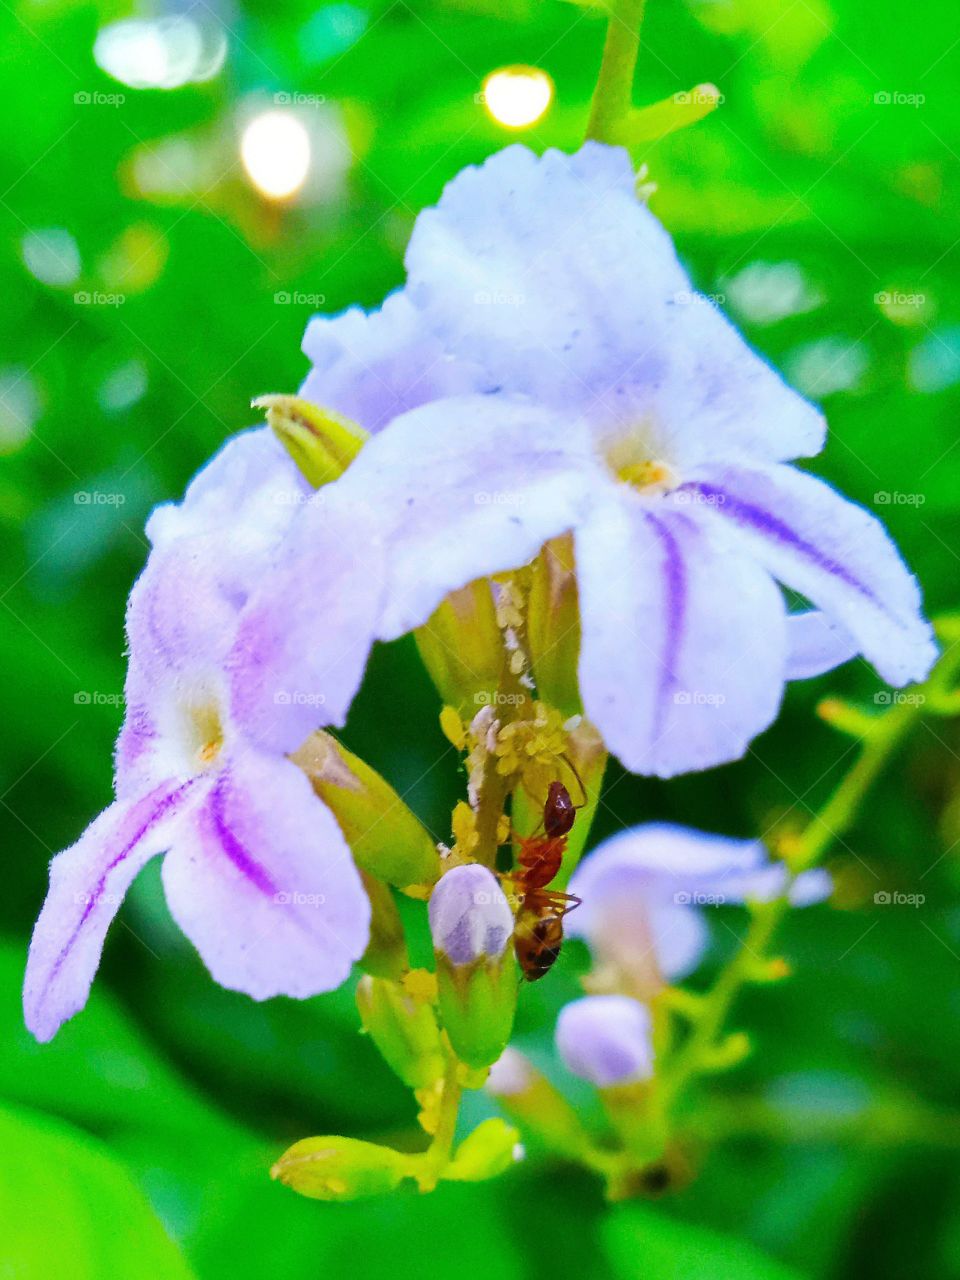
840 811
885 735
689 1061
442 1146
893 1121
613 95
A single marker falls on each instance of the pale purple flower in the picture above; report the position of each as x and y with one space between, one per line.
470 917
257 872
607 1040
646 893
619 404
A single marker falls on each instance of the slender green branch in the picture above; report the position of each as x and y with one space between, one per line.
613 95
442 1145
692 1057
883 736
840 811
428 1166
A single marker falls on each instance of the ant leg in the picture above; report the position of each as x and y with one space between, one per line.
560 903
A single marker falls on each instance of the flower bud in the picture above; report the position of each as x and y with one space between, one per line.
462 649
321 442
339 1169
471 924
529 1098
606 1040
386 953
385 837
403 1029
553 626
512 1075
487 1152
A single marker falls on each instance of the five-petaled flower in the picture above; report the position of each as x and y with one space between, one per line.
257 872
608 406
645 892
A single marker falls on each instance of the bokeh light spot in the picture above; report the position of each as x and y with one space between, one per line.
517 97
164 53
275 150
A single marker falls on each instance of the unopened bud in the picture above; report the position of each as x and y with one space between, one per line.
339 1169
606 1040
471 923
487 1152
384 836
553 626
513 1073
403 1029
386 953
462 648
321 442
528 1097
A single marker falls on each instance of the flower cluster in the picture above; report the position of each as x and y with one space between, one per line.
583 506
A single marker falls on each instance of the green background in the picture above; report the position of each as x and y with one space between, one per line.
137 1143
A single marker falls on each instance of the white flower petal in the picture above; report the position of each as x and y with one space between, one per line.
261 880
464 488
374 366
303 640
832 551
644 892
552 275
683 644
244 499
88 882
816 644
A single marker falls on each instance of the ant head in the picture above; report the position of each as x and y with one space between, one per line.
559 811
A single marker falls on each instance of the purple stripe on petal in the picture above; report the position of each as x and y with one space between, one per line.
159 804
675 588
235 850
770 526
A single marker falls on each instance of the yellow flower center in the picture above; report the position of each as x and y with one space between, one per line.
205 732
631 456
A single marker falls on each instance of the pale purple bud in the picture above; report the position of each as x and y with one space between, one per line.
470 916
512 1073
606 1040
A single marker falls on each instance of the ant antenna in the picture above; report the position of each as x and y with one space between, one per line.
573 769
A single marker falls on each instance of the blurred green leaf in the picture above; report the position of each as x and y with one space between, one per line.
642 1244
69 1208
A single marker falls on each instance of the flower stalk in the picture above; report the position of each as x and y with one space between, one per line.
612 97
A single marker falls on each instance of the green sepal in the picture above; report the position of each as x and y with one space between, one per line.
321 442
553 626
386 953
486 1153
478 1002
403 1029
385 837
340 1169
635 1112
462 649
